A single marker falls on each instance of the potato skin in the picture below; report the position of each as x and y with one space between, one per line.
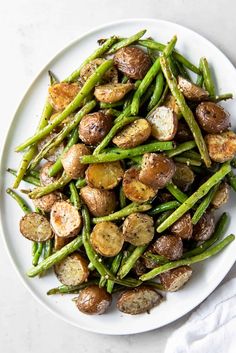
133 135
169 246
221 147
93 300
36 227
134 189
176 278
72 270
138 229
61 94
204 228
212 117
138 300
183 176
94 127
104 175
164 123
157 170
71 160
183 228
222 195
87 70
112 93
45 179
191 91
183 132
133 62
46 202
100 202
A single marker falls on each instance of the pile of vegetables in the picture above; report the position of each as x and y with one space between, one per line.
130 160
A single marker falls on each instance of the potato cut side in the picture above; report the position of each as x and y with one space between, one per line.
99 202
176 278
170 102
112 93
107 239
138 229
191 91
104 175
222 195
62 94
35 227
221 147
164 123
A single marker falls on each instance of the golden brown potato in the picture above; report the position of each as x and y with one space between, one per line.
204 228
107 239
53 153
35 227
65 219
169 246
45 179
100 202
134 189
104 175
138 300
191 91
176 278
133 62
133 135
94 127
45 203
222 195
93 300
164 123
183 228
212 117
113 92
170 102
61 94
60 242
221 147
183 176
138 229
156 170
71 160
183 132
87 70
72 270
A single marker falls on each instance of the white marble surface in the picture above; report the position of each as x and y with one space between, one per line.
31 33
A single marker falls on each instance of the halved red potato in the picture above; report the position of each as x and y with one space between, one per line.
93 300
183 228
113 92
212 117
170 102
169 246
45 203
104 175
61 94
45 179
222 195
164 123
205 227
100 202
176 278
138 229
35 227
191 91
221 147
71 160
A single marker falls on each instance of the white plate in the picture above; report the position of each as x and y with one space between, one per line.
206 276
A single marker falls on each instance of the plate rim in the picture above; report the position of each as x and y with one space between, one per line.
3 150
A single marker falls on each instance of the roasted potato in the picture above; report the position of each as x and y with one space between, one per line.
169 246
138 229
133 135
93 300
107 239
94 127
113 92
183 176
71 160
99 202
53 153
221 147
72 270
133 62
35 227
183 228
104 175
176 278
45 179
138 300
222 195
59 242
191 91
212 118
204 228
183 132
170 102
134 189
164 123
87 70
139 267
45 203
61 94
156 170
65 219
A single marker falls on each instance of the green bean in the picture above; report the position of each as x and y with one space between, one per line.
170 205
21 202
80 183
232 180
48 246
161 101
112 105
118 153
28 178
188 261
200 79
204 204
208 80
233 163
191 154
150 75
34 248
163 217
114 269
75 199
122 198
75 104
176 192
126 253
126 41
221 97
220 230
156 285
96 54
130 262
37 254
185 110
185 146
188 161
112 133
182 71
160 260
102 281
113 112
126 112
173 66
44 190
157 91
57 166
131 208
63 289
52 78
125 79
137 159
197 195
